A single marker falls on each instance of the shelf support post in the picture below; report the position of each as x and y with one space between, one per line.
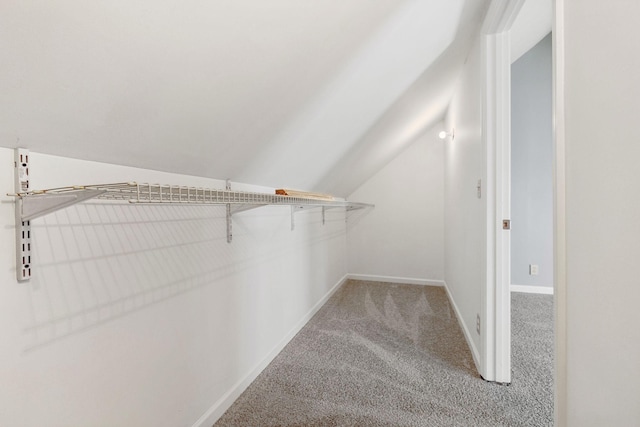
229 220
23 228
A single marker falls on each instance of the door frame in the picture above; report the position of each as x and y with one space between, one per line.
496 296
496 302
559 219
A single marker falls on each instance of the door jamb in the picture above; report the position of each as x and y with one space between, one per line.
496 296
559 219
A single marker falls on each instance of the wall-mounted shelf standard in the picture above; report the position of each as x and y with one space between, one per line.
34 204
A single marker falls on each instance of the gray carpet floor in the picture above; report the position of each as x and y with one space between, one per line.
380 354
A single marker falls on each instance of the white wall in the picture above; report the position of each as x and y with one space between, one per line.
465 250
402 238
532 167
602 230
145 315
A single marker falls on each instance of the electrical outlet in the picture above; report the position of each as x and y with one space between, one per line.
533 269
478 323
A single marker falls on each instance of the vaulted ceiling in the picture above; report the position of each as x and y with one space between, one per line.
307 94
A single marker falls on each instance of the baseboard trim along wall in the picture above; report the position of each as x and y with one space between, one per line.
220 407
547 290
393 279
474 351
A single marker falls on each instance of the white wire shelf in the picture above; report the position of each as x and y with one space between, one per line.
34 204
41 202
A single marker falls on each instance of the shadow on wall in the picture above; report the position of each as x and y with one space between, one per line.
355 216
96 262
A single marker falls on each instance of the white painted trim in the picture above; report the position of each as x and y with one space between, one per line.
220 407
501 15
487 312
467 335
495 314
393 279
559 219
496 311
528 289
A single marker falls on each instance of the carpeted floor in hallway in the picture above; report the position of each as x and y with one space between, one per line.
379 354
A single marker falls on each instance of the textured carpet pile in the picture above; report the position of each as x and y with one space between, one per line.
379 354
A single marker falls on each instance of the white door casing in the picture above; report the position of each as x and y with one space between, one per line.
496 300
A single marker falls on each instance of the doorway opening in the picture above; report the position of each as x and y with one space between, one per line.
504 22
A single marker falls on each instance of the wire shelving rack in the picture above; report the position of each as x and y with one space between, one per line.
32 204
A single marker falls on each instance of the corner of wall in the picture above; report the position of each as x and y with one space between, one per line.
467 335
221 405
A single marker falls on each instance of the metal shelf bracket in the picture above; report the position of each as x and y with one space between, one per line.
236 208
48 203
229 213
23 226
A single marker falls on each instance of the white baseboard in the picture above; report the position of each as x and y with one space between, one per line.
547 290
474 351
393 279
220 407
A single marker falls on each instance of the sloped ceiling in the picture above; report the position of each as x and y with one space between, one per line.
532 25
307 94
